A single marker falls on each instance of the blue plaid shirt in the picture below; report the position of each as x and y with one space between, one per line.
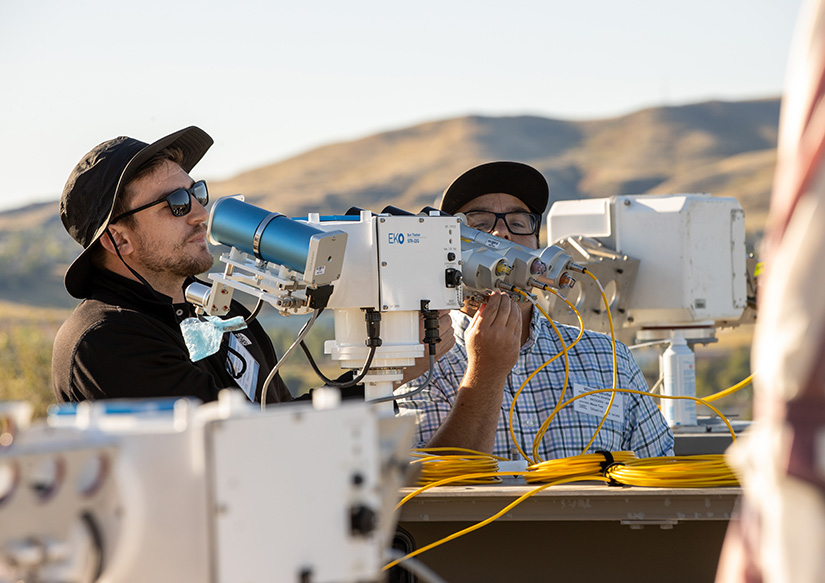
635 423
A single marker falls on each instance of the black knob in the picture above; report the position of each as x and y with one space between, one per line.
363 520
452 277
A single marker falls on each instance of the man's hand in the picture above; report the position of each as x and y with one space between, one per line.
494 338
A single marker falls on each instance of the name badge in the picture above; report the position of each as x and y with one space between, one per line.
248 381
596 404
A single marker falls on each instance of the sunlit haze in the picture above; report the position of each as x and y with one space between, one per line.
269 80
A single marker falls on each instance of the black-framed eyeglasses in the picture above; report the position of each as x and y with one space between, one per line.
518 223
179 201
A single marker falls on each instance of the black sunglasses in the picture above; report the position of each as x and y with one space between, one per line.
518 223
179 201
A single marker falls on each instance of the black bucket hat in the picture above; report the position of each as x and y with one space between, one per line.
97 181
513 178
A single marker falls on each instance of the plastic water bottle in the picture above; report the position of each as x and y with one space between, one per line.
679 369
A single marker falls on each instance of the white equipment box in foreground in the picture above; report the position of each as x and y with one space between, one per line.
691 248
137 491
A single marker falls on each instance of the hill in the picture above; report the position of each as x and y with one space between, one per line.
726 148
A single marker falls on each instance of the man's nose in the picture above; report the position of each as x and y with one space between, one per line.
503 232
198 214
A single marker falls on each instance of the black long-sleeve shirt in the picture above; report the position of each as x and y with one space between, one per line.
125 341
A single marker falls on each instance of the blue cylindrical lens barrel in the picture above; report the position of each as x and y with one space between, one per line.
280 239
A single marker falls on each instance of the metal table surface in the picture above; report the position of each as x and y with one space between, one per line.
580 502
575 532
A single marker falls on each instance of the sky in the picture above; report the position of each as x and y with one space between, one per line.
272 79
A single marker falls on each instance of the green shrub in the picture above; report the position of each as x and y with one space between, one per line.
25 362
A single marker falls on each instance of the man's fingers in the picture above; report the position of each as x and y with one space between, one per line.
500 310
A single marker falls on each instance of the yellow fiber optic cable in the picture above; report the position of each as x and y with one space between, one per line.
615 365
621 467
535 372
586 466
693 471
486 521
454 481
740 385
464 465
634 391
760 267
543 428
425 451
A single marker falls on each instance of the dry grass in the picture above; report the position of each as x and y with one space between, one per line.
12 313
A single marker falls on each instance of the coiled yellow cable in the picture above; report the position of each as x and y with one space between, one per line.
620 468
691 471
461 466
586 466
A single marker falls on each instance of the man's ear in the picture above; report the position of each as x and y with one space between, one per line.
120 237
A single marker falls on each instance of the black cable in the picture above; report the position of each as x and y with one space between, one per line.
93 528
339 384
431 338
255 311
373 320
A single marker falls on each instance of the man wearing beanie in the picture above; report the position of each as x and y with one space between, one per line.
141 219
467 403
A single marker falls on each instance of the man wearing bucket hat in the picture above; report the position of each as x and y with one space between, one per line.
141 221
467 403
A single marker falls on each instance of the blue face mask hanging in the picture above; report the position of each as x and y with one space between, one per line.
203 336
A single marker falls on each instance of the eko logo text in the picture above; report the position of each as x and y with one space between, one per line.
400 238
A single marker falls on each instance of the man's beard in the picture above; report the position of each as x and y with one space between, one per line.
176 261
